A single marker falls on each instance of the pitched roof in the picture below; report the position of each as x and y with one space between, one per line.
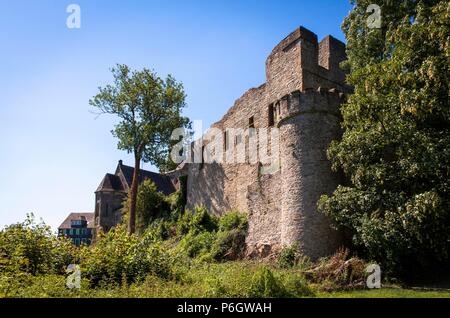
110 183
162 182
89 216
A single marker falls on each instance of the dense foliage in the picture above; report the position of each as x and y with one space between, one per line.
175 256
150 205
30 247
395 148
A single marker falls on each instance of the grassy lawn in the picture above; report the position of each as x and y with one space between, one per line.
223 280
385 293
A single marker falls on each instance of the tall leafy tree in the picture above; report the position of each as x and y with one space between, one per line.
395 147
149 109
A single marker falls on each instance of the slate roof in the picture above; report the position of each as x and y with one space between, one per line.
89 216
162 182
110 182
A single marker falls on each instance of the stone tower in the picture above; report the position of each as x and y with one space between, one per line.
309 120
301 96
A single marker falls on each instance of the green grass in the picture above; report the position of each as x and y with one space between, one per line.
228 280
385 293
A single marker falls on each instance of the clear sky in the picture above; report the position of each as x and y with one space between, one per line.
53 150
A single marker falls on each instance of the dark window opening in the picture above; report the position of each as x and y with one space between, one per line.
251 126
251 122
225 140
203 157
271 116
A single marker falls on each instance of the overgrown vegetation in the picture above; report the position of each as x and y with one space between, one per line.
190 254
180 254
395 148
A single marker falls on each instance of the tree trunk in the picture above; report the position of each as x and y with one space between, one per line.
133 196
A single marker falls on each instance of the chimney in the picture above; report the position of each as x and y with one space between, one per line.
120 163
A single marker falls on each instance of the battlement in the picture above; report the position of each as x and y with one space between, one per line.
293 38
303 62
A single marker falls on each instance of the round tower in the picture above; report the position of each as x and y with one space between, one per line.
309 124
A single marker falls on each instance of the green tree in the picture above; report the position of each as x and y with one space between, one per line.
149 109
395 147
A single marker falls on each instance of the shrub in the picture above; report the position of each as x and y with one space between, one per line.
233 220
158 231
265 285
229 245
230 239
197 244
198 221
150 205
30 247
118 256
288 257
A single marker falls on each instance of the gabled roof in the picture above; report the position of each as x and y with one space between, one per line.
89 216
110 183
162 182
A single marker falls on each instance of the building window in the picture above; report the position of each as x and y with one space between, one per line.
271 116
251 126
203 157
225 140
251 122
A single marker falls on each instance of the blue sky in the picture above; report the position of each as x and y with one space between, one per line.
53 150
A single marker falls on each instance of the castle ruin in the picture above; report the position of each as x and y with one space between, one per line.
303 90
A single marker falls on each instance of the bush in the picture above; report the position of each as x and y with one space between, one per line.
229 245
288 257
150 205
117 257
197 244
233 220
265 285
30 247
198 221
230 239
211 238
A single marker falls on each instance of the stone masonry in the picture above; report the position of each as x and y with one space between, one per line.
301 96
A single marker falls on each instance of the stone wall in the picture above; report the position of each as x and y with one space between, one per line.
304 87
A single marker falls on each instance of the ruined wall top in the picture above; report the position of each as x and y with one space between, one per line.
316 64
298 64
